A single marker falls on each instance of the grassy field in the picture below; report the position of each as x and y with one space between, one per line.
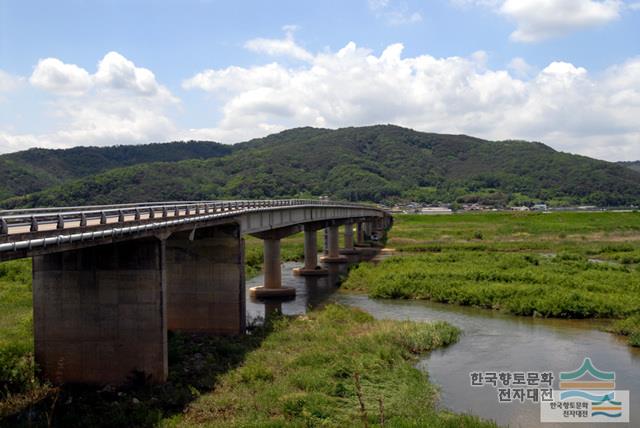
16 343
567 265
335 367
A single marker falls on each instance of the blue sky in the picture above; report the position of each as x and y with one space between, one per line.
565 72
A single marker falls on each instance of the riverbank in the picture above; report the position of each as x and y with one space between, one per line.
337 366
565 265
333 367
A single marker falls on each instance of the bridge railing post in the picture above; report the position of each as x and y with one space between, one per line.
60 223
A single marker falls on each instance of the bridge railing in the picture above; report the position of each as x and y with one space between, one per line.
50 219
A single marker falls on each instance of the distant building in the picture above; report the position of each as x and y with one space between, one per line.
540 207
522 208
435 210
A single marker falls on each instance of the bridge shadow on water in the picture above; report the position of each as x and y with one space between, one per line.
196 364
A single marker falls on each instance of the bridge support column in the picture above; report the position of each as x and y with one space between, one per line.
360 234
368 230
348 240
310 254
272 273
333 247
205 281
325 247
100 314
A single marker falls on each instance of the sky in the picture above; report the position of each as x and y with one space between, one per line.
105 72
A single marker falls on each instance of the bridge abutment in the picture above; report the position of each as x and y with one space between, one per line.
99 313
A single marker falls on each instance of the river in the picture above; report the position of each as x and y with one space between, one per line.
491 341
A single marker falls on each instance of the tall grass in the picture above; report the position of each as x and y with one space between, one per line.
332 368
16 327
567 265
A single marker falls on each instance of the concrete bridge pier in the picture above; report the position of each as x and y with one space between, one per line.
333 255
311 267
205 280
349 248
325 247
359 233
272 287
100 313
368 230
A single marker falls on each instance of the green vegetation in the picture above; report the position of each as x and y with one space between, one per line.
376 163
335 367
635 165
628 327
310 370
196 363
16 336
566 265
38 169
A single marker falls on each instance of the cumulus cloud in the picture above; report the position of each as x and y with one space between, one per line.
562 105
53 75
394 12
538 20
118 104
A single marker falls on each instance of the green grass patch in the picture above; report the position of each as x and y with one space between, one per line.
16 327
311 370
564 286
629 327
565 265
546 229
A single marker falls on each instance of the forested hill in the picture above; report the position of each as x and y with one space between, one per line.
632 165
37 169
376 163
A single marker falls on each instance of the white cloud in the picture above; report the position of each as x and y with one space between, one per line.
394 12
118 104
9 82
520 67
562 105
280 47
543 19
117 72
538 20
53 75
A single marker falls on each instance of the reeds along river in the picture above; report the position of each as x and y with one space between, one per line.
491 341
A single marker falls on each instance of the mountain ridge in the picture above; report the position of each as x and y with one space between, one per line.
380 163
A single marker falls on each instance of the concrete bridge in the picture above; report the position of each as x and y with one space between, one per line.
109 281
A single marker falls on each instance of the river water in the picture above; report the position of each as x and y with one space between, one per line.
491 341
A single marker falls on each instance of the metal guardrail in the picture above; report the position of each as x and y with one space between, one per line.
59 219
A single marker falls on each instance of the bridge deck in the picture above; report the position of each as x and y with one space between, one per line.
38 231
